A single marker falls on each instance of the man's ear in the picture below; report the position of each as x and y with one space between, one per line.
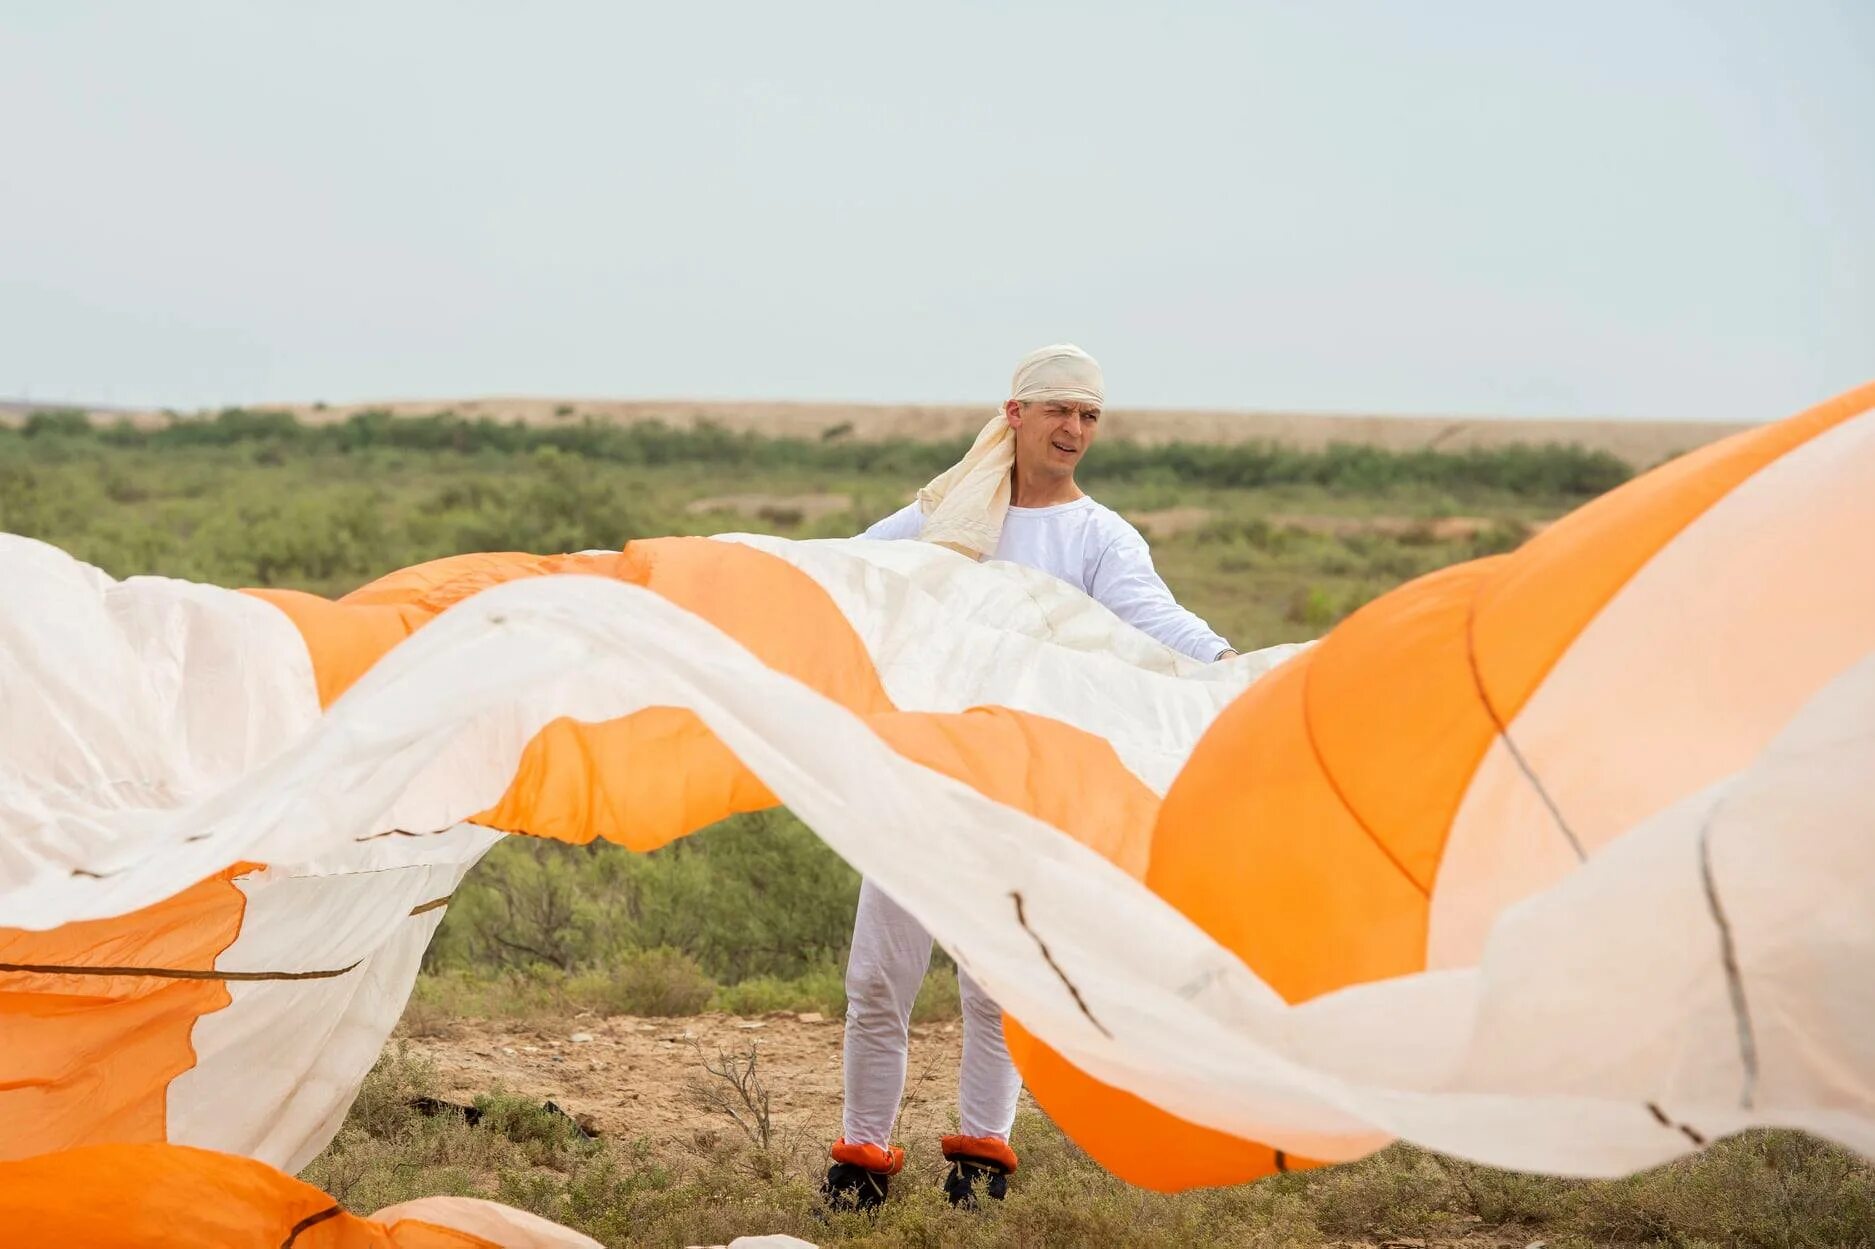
1012 412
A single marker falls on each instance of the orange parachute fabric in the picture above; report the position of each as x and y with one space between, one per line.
1341 776
173 1197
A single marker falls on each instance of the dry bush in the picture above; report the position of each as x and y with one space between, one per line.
732 1087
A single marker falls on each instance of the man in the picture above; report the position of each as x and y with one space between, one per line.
1012 497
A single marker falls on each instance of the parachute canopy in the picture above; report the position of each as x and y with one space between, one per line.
1552 860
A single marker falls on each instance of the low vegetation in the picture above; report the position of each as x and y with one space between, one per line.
741 1175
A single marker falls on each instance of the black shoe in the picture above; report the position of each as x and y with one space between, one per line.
850 1187
960 1186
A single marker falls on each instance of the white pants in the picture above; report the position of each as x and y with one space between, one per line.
891 952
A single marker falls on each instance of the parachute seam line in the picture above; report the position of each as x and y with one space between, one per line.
175 973
404 832
1055 967
311 1220
1308 731
1728 957
1529 773
1503 730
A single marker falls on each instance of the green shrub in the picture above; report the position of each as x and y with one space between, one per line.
659 981
1311 606
546 1135
56 423
756 895
822 990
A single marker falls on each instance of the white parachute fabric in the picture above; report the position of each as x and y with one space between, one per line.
339 945
498 1224
1636 1063
946 634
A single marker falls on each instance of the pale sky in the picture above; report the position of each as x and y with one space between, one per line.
1630 208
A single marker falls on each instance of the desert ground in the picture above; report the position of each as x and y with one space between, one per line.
628 1076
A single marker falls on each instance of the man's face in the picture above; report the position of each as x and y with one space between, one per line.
1053 434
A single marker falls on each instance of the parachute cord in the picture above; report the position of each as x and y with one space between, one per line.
331 1212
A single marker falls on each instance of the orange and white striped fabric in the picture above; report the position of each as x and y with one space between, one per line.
1550 860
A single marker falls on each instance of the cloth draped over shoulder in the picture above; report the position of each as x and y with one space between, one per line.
964 506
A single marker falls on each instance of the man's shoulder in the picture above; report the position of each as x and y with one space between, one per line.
1111 543
904 523
1111 526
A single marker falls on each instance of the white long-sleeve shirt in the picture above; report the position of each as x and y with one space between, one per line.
1094 549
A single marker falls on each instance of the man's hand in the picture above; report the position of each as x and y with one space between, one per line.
1226 653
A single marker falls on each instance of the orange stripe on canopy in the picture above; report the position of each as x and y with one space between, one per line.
89 1057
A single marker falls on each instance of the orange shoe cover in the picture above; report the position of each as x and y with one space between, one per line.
875 1158
990 1151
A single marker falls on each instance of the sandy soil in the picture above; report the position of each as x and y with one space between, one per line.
776 507
627 1077
1439 529
1170 521
1642 443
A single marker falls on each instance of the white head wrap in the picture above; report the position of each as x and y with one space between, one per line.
964 506
1062 372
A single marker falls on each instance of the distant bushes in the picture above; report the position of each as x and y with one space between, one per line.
217 515
1551 471
755 896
